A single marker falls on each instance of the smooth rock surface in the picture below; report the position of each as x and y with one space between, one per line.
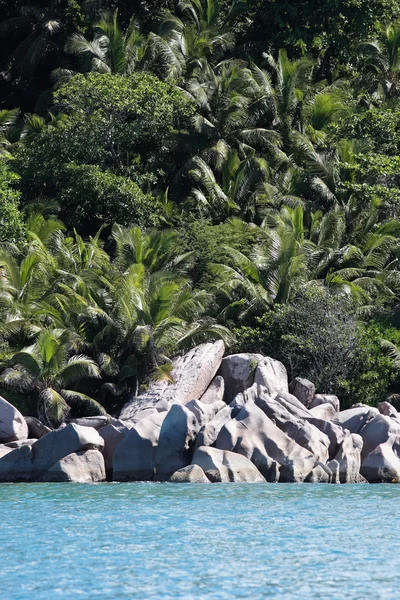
255 436
204 412
387 409
326 399
223 466
215 391
192 375
112 437
12 424
20 443
36 429
300 430
354 419
80 467
326 412
177 436
29 463
349 459
95 422
377 432
272 375
209 433
382 465
303 389
238 371
134 457
189 474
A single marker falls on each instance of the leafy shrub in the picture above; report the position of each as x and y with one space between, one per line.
319 337
91 197
11 225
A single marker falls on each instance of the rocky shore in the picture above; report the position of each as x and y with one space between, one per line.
232 419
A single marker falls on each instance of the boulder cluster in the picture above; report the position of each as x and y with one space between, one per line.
232 419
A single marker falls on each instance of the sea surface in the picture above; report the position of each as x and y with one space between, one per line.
180 541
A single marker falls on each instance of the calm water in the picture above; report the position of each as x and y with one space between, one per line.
191 541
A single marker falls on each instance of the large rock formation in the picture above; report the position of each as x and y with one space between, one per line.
29 463
382 465
230 419
326 399
378 431
354 419
12 424
134 457
192 375
80 467
255 436
36 429
112 437
189 474
303 389
300 430
271 375
238 372
223 467
215 391
348 459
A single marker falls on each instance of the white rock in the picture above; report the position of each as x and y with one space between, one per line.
223 466
80 467
192 375
12 424
272 375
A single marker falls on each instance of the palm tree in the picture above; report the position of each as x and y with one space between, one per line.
129 315
155 250
45 371
224 126
276 267
380 62
297 249
192 42
111 50
38 27
242 189
154 311
280 97
8 119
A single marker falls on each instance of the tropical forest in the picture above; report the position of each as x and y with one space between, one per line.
174 172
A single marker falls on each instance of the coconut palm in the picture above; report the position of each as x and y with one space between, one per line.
8 119
44 370
276 267
38 27
155 250
111 50
242 188
380 62
190 42
297 249
281 94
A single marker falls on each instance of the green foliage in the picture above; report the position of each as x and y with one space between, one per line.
140 110
327 29
263 135
321 338
72 313
208 243
44 370
378 126
11 222
114 127
91 197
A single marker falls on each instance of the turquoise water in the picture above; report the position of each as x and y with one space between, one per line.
191 541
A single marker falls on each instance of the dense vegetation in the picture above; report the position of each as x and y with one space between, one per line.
194 171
